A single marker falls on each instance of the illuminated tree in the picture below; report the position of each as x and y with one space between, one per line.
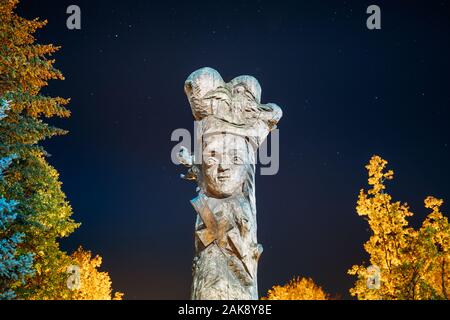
25 68
411 264
435 244
14 268
297 289
95 285
45 214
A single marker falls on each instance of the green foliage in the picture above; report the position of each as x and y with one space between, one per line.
14 268
413 264
45 214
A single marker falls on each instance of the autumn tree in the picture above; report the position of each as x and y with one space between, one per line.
94 284
297 289
409 264
25 68
434 238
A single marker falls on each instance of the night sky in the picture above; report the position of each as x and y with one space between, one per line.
346 93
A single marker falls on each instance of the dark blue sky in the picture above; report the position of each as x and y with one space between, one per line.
346 92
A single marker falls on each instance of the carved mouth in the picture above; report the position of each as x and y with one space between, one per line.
223 178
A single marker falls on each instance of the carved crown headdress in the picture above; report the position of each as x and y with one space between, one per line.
234 107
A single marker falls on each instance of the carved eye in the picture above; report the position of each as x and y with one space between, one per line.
237 160
211 161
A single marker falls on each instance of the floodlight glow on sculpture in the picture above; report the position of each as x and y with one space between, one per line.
233 123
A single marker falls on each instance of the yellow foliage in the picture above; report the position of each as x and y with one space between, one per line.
95 285
435 240
297 289
413 264
26 67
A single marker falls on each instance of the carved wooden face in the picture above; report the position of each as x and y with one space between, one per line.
224 165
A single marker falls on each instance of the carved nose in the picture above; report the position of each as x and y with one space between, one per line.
223 167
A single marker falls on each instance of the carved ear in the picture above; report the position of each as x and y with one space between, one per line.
197 85
251 84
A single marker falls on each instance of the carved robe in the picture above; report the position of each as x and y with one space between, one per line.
227 251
